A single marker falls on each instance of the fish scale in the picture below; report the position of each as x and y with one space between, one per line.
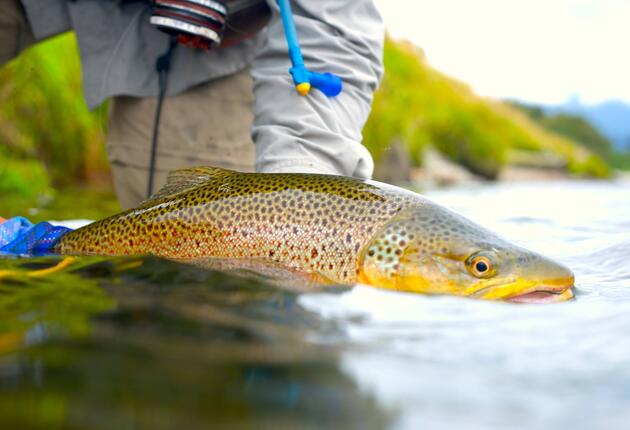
313 224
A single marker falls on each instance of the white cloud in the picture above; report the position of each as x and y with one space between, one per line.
538 50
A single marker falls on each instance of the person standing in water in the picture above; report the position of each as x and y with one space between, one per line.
233 107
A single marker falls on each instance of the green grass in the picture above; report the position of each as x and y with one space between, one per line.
580 131
620 160
573 127
22 177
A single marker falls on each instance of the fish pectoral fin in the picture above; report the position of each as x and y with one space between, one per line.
185 179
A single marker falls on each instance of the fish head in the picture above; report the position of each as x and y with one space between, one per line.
433 250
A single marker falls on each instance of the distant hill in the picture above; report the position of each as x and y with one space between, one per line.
419 107
574 127
612 118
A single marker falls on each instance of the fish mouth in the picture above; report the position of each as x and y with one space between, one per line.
555 291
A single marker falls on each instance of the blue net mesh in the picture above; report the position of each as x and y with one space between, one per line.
12 228
18 236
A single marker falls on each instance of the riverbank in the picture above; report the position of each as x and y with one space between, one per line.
438 171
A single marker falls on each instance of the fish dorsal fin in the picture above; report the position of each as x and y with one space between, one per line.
181 180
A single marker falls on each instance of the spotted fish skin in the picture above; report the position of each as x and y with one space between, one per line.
307 223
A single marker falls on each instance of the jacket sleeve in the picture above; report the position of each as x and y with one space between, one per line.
315 133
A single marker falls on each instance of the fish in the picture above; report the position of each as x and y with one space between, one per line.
329 229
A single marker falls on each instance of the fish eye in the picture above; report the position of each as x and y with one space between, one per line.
480 266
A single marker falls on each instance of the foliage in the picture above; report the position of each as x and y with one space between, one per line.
23 177
579 130
620 160
573 127
421 106
43 116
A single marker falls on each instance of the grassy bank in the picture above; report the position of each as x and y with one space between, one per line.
420 106
579 130
48 137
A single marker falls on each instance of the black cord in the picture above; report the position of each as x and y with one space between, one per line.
162 66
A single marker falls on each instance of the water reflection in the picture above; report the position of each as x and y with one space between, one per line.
168 345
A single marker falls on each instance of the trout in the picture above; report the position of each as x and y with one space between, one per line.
329 229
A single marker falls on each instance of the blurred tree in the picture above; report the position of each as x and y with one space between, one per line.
43 115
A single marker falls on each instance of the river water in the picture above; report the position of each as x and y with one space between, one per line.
140 343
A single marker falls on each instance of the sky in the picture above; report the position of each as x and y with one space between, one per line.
543 51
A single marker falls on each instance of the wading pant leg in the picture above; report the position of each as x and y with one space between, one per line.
15 31
208 125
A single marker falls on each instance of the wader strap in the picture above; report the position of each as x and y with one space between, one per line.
162 65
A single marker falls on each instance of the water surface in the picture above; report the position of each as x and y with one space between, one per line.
444 362
134 343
